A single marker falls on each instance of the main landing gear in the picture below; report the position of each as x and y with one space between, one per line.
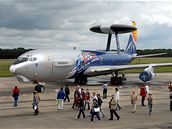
116 79
81 80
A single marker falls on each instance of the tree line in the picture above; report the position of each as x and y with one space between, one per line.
12 53
16 52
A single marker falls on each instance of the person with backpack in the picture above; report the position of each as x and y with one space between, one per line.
15 94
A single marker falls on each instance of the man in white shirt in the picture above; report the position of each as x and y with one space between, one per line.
117 97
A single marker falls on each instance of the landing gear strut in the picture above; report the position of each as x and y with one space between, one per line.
81 80
117 80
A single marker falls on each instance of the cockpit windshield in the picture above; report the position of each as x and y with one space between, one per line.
24 59
20 60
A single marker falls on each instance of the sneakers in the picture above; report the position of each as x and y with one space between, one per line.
76 117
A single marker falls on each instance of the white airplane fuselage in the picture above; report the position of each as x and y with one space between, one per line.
45 65
54 65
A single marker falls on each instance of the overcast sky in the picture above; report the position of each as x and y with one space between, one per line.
64 24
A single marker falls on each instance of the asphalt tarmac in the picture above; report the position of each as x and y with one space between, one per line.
21 117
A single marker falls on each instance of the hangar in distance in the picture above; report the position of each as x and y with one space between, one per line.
53 65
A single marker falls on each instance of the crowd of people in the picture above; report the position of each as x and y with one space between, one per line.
84 100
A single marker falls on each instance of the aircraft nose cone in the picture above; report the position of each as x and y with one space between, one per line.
12 69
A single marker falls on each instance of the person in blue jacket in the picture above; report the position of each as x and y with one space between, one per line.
60 98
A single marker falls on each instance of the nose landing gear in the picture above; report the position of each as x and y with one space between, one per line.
39 88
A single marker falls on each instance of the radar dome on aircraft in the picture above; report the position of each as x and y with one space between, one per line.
113 29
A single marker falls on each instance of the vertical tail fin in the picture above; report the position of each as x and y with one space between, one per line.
131 46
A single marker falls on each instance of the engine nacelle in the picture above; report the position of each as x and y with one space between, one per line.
147 75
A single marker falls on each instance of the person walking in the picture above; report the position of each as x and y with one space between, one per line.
143 94
134 101
60 98
113 107
117 97
76 97
67 92
15 94
95 110
99 102
35 103
171 100
150 103
87 99
105 88
81 107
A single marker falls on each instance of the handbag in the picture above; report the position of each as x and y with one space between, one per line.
97 109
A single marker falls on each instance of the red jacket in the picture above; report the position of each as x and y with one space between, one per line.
143 91
16 91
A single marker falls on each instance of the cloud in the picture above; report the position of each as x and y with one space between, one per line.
65 24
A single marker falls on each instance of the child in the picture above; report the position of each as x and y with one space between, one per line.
150 103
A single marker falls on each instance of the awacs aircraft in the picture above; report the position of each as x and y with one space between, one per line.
53 65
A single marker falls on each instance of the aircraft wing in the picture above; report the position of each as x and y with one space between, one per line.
101 70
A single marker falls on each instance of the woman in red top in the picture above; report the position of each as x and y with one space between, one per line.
143 94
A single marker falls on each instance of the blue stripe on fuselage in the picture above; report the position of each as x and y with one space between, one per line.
111 59
96 58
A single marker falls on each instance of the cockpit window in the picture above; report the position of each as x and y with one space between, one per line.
20 60
32 59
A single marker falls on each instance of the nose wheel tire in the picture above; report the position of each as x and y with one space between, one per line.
39 88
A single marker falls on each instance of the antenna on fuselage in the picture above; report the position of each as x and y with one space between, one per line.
113 29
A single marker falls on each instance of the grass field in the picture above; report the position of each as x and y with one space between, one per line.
5 64
4 67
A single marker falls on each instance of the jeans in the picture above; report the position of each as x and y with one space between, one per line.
16 100
143 100
87 102
134 107
67 97
104 93
113 112
118 106
81 111
93 114
60 103
150 108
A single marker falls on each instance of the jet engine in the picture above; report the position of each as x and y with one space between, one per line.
147 75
